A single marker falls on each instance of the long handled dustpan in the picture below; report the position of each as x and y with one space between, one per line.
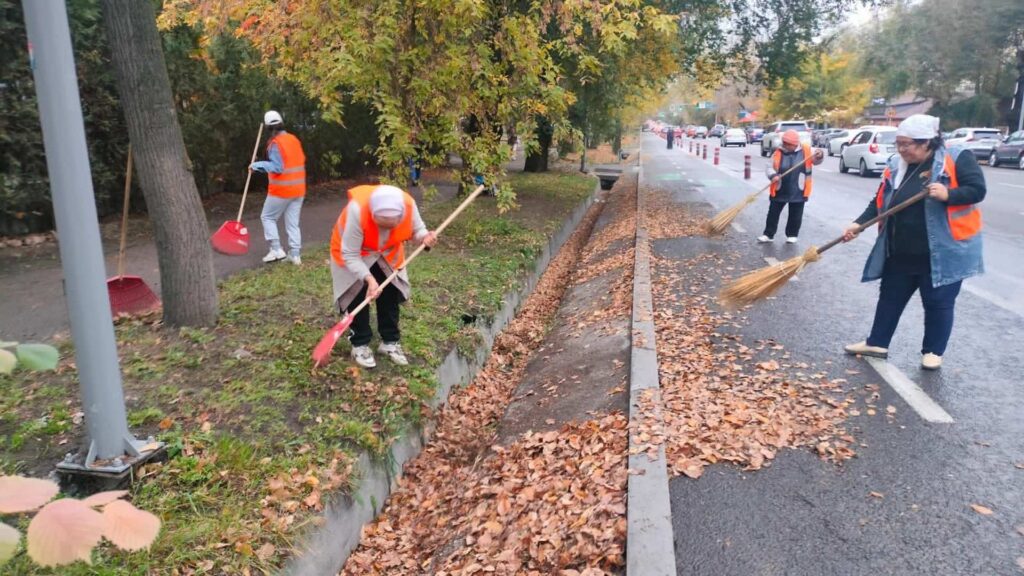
129 295
232 237
323 349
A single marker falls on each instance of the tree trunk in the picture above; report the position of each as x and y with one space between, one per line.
538 161
187 283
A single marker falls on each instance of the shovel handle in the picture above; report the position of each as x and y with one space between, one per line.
124 214
248 177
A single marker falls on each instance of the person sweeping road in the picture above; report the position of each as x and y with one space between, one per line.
367 245
786 187
931 246
286 190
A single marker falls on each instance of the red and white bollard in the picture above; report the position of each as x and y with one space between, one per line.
705 151
691 146
746 167
716 155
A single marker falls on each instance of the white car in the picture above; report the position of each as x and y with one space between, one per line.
773 135
868 151
981 141
734 136
838 144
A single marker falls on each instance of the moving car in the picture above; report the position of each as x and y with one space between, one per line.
837 139
734 136
822 137
1009 152
868 151
981 141
755 135
717 131
838 143
702 132
773 135
691 131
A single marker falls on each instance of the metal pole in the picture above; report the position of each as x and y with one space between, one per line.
81 254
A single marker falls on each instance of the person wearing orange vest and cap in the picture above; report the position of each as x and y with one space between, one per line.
788 189
286 171
931 246
367 245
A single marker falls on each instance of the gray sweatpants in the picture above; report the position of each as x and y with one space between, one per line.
272 210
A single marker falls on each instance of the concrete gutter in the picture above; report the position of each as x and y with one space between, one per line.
326 548
650 549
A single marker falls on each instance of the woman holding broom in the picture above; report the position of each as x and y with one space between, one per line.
788 186
931 246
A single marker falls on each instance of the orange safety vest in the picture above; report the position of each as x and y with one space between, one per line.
394 249
291 181
808 164
964 221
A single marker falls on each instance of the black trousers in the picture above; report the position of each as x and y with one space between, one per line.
793 222
387 313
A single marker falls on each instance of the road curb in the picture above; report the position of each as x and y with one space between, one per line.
650 549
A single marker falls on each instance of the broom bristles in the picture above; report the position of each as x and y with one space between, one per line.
764 282
723 219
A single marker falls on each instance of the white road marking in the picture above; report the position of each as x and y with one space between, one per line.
910 392
738 228
772 262
823 169
1008 184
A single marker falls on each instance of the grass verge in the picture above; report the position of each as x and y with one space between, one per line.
258 441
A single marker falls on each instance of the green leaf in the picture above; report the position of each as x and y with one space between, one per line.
7 344
38 356
7 361
9 538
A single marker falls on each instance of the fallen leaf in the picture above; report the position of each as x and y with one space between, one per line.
206 427
128 527
104 498
266 551
9 539
890 409
878 495
63 532
165 424
20 494
983 510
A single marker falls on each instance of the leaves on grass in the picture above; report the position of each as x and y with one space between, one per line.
9 538
20 494
63 532
128 527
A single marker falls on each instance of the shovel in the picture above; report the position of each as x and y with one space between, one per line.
326 344
232 238
129 295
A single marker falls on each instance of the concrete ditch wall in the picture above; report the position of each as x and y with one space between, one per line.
326 548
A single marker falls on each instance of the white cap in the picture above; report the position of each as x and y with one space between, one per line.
387 202
272 118
919 127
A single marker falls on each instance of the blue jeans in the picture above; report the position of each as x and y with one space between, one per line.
273 208
894 294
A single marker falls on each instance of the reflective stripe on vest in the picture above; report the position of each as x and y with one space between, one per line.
964 221
394 249
291 181
808 164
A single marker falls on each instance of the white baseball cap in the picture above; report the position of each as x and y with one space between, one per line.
272 118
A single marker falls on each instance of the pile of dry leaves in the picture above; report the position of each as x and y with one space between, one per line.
551 503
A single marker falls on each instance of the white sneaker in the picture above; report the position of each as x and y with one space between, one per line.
763 239
363 356
862 349
791 240
394 351
931 361
274 256
297 260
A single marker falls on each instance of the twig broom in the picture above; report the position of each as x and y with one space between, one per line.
762 283
721 221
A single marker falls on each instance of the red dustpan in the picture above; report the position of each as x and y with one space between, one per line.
129 295
322 352
232 238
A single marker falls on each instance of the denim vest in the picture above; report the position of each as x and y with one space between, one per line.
951 260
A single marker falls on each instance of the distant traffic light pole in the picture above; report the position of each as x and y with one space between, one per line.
112 448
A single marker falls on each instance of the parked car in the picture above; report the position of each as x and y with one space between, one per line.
701 132
691 131
1009 152
717 131
773 135
734 137
835 140
823 136
837 144
754 135
981 141
868 151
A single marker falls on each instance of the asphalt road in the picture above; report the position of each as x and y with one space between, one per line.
805 516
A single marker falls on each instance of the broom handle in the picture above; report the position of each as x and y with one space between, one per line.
781 176
912 200
465 203
245 191
124 214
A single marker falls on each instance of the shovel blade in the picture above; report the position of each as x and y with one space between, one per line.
323 348
232 238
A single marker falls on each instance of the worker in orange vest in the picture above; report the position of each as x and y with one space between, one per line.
788 189
367 245
286 171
